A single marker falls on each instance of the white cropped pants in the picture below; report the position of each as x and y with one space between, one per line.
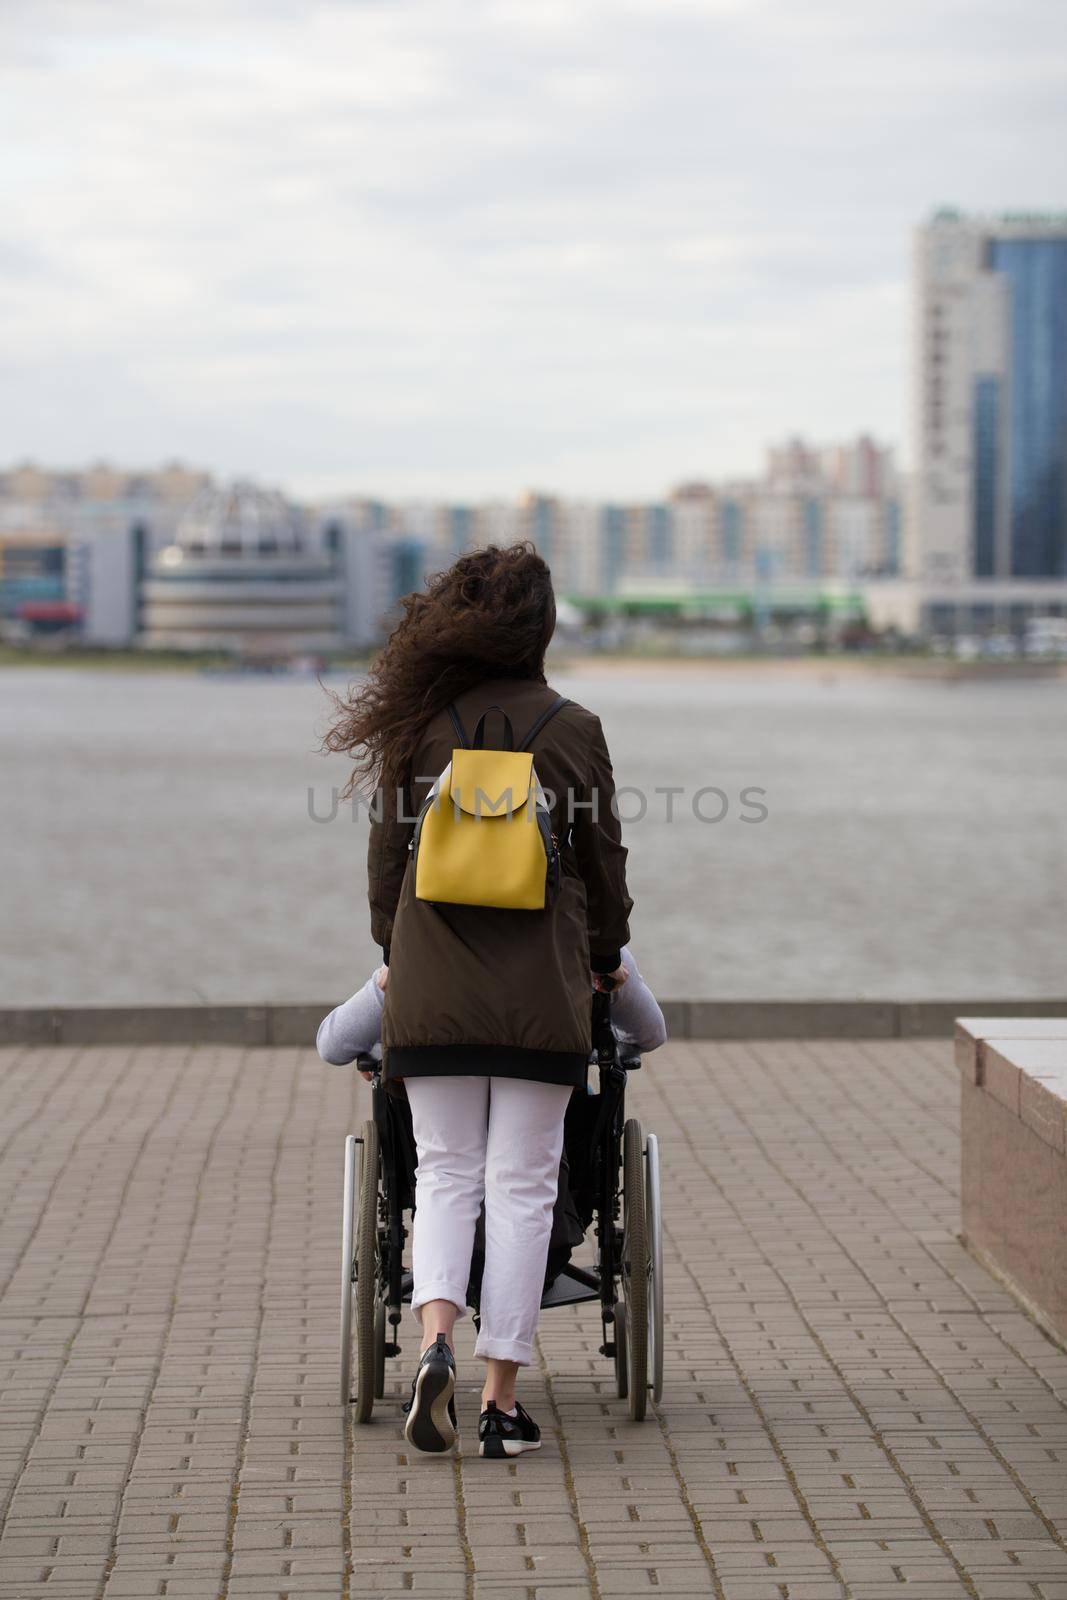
500 1138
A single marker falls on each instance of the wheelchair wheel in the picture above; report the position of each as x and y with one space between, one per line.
654 1216
367 1272
359 1271
635 1267
621 1385
348 1220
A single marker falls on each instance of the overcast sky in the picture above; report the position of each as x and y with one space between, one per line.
463 247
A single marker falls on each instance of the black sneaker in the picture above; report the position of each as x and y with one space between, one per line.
500 1435
431 1411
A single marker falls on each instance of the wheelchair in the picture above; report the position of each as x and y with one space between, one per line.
613 1173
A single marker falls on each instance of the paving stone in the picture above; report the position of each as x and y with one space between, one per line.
851 1405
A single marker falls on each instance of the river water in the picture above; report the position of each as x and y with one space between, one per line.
160 842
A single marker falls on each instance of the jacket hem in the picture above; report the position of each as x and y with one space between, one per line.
569 1067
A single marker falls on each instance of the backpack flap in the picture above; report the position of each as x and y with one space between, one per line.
490 783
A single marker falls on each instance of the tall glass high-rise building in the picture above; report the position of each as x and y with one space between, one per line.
990 410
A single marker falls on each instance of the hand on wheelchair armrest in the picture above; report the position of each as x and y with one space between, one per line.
369 1062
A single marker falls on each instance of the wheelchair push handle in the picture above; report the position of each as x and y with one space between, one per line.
607 1048
603 1034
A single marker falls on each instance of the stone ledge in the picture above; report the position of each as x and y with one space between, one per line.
686 1019
791 1019
1013 1087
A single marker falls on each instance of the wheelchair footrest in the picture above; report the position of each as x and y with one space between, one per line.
570 1288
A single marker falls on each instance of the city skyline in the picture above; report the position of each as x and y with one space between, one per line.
450 251
174 559
26 480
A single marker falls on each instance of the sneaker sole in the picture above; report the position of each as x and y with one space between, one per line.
429 1426
500 1449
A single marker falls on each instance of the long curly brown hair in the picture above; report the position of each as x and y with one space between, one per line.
490 615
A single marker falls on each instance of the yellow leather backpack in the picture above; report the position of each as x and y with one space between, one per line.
483 836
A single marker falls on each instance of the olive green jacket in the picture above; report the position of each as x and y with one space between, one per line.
476 990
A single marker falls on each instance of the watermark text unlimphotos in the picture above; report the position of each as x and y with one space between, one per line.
628 804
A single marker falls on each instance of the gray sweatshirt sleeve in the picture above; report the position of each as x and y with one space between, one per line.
354 1027
635 1015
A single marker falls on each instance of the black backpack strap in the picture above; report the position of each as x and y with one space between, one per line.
461 732
546 716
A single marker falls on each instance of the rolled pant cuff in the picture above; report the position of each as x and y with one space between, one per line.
504 1350
440 1291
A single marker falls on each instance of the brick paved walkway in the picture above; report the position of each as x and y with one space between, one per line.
851 1407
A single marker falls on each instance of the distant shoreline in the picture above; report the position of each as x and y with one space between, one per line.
151 661
562 660
828 666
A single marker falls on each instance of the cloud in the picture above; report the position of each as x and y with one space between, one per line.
440 247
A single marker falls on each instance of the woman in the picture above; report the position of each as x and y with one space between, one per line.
486 1016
